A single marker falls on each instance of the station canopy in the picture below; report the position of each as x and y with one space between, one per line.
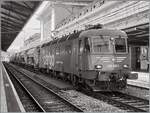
14 15
138 35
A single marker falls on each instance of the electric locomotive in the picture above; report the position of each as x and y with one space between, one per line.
96 58
104 59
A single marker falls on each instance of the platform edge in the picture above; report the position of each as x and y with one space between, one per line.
15 92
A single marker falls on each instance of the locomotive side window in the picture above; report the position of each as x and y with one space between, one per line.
68 49
80 46
86 45
120 45
57 50
100 44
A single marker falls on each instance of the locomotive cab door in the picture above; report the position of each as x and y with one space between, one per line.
84 50
80 52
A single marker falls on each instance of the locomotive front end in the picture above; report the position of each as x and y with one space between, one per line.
110 60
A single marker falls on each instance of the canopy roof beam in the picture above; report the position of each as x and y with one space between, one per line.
13 17
12 20
8 23
14 10
11 26
20 6
71 3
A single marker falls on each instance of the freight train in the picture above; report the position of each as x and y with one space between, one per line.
97 58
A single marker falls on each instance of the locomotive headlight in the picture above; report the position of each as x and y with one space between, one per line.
111 38
98 66
125 66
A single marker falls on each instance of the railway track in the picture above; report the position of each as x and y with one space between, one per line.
45 98
123 101
28 103
134 103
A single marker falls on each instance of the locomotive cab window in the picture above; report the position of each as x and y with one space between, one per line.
80 46
100 44
86 45
120 45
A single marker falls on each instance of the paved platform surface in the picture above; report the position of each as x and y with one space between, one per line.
142 81
10 101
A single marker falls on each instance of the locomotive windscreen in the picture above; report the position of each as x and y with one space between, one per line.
100 44
120 45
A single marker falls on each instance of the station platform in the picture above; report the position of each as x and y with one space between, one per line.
10 101
142 81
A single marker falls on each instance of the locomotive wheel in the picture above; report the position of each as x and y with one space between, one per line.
63 76
69 77
47 70
74 82
54 74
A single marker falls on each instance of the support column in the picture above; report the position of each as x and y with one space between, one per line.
149 47
42 29
52 20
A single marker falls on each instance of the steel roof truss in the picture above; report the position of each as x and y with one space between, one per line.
136 33
27 5
19 6
15 11
11 22
11 26
14 17
14 24
143 35
8 19
5 29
